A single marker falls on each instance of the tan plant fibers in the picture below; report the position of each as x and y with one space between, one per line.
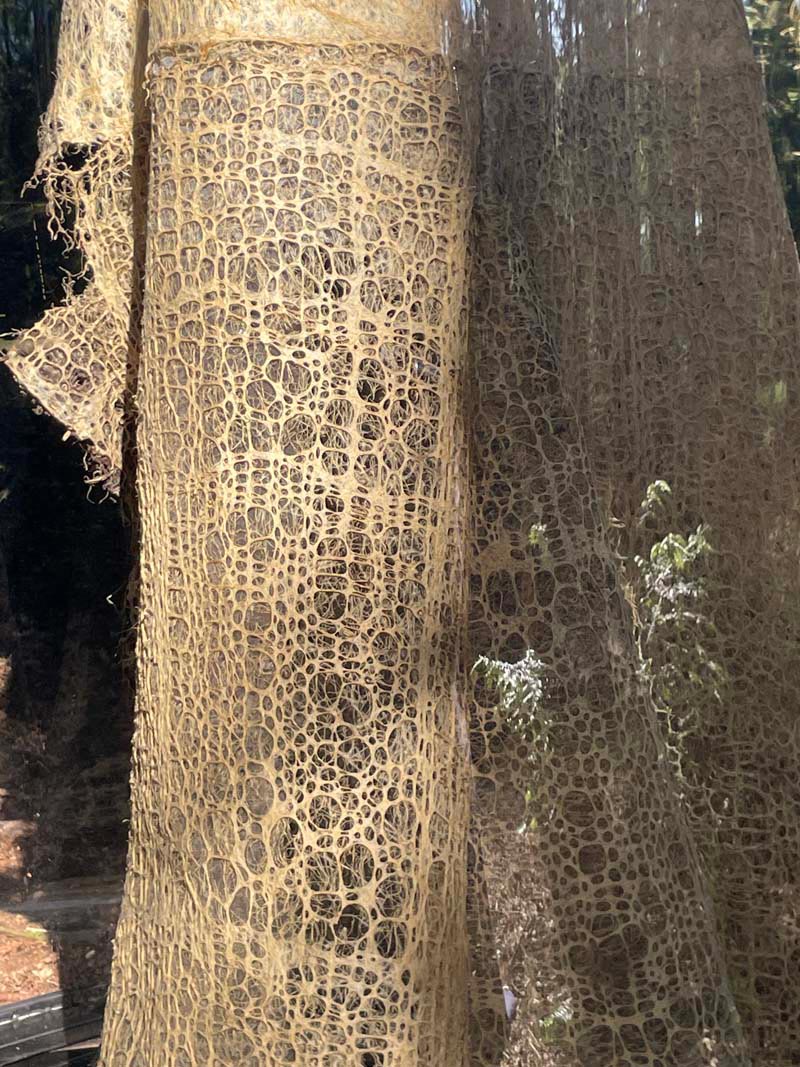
632 154
76 361
601 911
79 360
297 877
296 886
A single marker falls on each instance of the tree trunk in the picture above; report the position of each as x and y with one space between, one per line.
678 348
296 874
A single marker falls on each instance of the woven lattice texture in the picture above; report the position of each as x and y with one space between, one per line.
72 361
300 888
635 162
600 907
77 360
80 360
296 876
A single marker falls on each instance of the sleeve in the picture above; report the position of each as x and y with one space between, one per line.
76 361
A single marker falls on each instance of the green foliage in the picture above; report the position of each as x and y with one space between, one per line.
774 34
519 687
676 634
537 538
554 1027
771 402
656 498
772 397
671 585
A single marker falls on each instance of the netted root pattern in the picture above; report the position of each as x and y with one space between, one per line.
666 265
603 920
75 361
296 879
637 159
296 887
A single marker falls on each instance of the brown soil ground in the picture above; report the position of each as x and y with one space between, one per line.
60 881
28 962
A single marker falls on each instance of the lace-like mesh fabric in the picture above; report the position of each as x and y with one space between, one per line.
297 882
76 360
80 358
601 911
631 153
73 361
298 770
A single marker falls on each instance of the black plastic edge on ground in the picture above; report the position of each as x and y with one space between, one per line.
31 1028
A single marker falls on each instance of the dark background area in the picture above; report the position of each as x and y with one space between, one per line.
65 701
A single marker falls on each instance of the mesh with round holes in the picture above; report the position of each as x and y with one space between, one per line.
300 770
602 917
646 291
80 359
302 481
77 360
